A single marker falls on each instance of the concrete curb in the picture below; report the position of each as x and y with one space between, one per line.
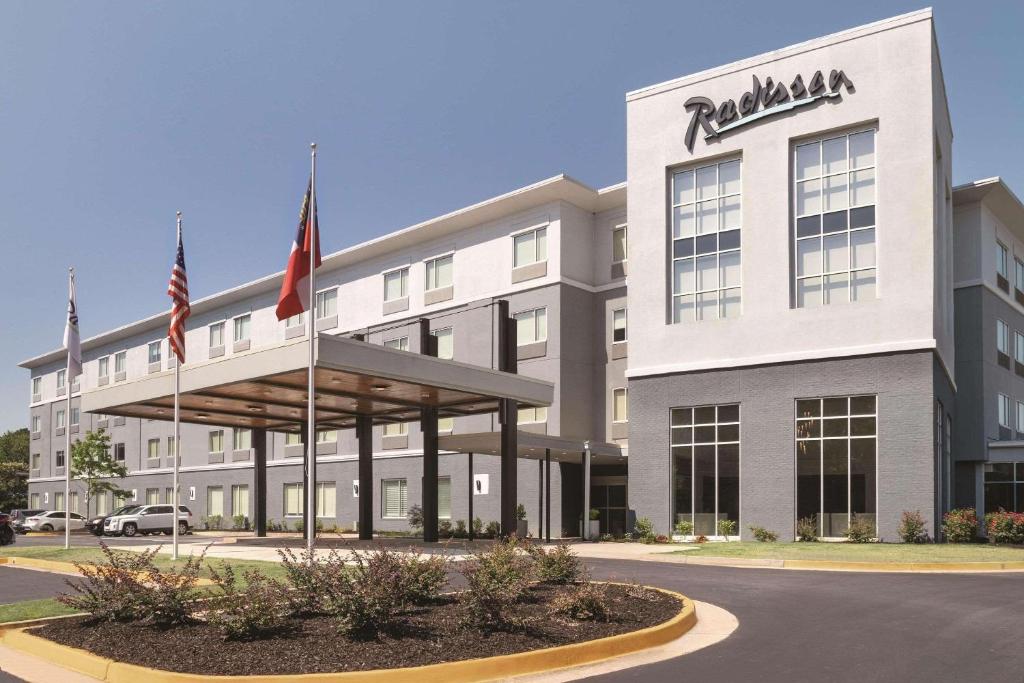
466 671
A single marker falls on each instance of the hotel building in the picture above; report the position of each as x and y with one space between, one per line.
817 324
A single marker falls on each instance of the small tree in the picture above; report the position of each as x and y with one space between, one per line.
14 469
92 462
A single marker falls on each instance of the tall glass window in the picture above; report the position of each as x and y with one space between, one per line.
706 468
1004 487
836 448
239 499
706 220
834 220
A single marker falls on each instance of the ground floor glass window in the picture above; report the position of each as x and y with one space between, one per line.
706 469
1004 487
836 453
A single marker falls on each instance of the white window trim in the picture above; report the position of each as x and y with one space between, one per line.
337 295
625 313
625 393
383 482
223 332
999 337
520 342
1003 399
522 231
624 226
124 354
426 283
160 345
99 365
234 322
384 281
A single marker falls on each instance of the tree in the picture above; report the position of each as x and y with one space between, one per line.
92 462
14 469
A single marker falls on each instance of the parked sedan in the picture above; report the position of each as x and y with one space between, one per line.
18 518
148 519
95 524
54 521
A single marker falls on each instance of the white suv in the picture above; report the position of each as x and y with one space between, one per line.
148 519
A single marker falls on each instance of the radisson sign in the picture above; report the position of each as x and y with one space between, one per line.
760 102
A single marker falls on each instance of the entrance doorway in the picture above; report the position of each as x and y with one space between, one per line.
608 497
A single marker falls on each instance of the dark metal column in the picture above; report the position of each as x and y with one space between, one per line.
259 481
428 425
585 517
364 434
508 414
547 494
540 498
472 492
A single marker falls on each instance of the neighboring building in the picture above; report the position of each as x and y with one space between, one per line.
788 334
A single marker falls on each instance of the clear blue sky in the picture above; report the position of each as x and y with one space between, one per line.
114 115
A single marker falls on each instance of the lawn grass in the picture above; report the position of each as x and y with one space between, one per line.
860 552
33 609
162 561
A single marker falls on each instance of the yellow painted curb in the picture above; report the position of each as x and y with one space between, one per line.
466 671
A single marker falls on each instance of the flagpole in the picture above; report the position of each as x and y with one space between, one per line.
70 381
311 408
177 441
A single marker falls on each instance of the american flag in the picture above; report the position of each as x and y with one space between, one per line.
178 291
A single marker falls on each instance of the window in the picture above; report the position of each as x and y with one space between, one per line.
293 500
618 325
1004 487
59 422
59 459
58 501
241 327
155 349
531 326
102 501
292 439
169 495
1002 337
1018 270
444 497
214 501
325 499
620 406
396 284
445 343
37 423
295 320
152 496
532 415
120 361
439 272
34 501
1018 347
619 244
1002 257
530 247
1003 401
153 448
242 439
706 468
170 447
74 502
104 366
35 465
119 452
402 343
394 499
216 334
37 386
327 436
61 378
706 221
75 416
217 441
445 424
396 429
836 447
834 223
240 499
326 303
1020 417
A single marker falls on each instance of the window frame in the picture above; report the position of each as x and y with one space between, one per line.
62 378
1002 259
103 367
535 233
1003 410
616 391
321 296
403 280
220 326
237 324
1002 337
402 483
237 432
121 362
398 343
448 331
149 448
850 271
536 412
300 490
215 435
624 229
37 386
625 325
159 346
430 271
536 324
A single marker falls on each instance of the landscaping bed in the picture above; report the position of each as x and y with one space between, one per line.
424 635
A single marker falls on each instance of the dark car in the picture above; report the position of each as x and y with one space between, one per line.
94 525
18 517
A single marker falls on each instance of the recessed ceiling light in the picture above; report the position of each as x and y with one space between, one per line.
209 402
202 416
379 387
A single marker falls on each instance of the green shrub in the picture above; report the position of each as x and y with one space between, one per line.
478 526
492 530
595 514
560 565
460 528
111 590
583 602
860 530
314 580
424 578
240 523
606 538
684 527
496 579
960 526
444 528
807 529
1005 527
763 535
259 610
520 512
727 527
645 530
913 528
636 591
212 522
375 594
415 517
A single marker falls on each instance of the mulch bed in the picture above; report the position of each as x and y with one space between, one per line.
427 635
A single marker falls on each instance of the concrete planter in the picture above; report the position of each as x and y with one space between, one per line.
593 529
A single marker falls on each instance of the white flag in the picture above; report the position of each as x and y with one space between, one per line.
72 342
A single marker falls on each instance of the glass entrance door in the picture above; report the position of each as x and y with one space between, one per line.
608 497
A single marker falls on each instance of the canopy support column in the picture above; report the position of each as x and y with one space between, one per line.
364 435
471 489
428 425
259 484
586 491
508 414
540 499
547 494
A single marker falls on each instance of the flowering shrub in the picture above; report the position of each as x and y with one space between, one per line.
807 529
763 535
582 602
1005 527
314 580
727 527
684 527
496 579
960 526
170 598
560 565
913 528
424 578
375 592
260 609
860 530
645 530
